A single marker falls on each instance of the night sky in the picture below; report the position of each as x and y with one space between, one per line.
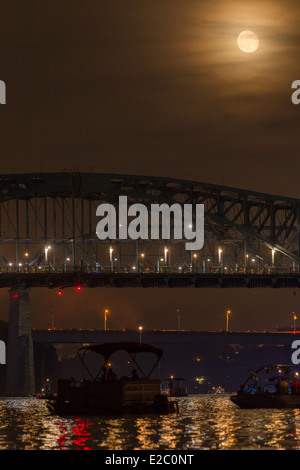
156 87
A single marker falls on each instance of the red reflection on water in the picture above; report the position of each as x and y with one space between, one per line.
82 433
63 435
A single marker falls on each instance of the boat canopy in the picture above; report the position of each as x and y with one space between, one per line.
255 375
107 349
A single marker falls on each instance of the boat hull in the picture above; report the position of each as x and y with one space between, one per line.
116 398
265 400
79 408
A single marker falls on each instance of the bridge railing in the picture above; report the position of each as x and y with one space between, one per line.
195 269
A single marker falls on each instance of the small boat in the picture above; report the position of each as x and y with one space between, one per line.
104 394
274 386
45 393
175 387
217 390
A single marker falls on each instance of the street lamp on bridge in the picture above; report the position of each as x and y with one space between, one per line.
220 251
227 318
111 258
47 248
166 255
294 318
273 257
140 329
106 311
178 319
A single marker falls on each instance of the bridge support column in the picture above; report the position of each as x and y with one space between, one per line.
20 365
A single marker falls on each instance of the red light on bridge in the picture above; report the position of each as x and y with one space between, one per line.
59 292
15 296
78 288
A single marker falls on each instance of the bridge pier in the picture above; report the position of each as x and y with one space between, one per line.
20 365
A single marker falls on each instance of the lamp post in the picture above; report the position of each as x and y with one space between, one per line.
166 256
194 261
47 248
105 318
294 318
220 259
111 258
227 318
140 329
52 318
273 257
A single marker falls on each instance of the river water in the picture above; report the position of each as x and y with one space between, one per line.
204 422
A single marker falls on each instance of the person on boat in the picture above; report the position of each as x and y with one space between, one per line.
252 386
134 374
295 386
282 387
111 376
108 375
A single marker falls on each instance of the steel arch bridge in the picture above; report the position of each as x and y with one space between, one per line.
48 223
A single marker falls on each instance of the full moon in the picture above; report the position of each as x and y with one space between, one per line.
248 41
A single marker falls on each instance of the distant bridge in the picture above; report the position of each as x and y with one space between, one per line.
164 337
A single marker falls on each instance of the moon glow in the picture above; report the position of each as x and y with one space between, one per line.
248 41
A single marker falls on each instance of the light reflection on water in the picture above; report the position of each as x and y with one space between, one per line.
204 422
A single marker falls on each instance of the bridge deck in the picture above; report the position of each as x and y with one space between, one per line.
165 280
165 337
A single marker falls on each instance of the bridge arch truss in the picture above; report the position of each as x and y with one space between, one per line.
48 223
